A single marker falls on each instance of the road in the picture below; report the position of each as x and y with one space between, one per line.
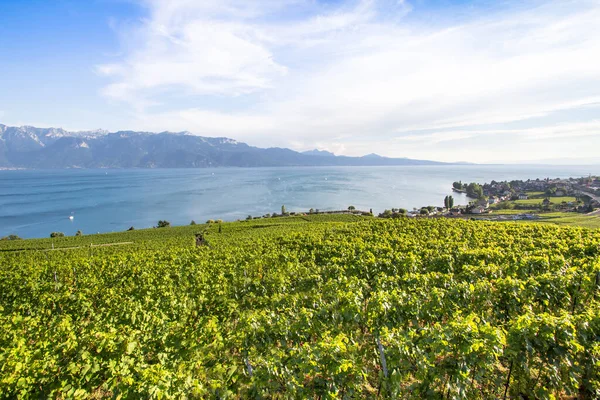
593 197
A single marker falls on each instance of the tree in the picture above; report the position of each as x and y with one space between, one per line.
249 217
311 211
193 222
282 210
424 211
386 214
210 221
351 208
220 228
11 237
163 224
457 185
474 190
79 233
450 201
57 234
131 228
447 202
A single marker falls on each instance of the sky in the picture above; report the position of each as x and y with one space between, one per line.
478 81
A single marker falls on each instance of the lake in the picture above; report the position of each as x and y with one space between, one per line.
35 203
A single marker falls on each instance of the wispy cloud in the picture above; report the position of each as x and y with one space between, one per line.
302 73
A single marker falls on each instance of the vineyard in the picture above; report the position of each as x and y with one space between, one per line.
305 307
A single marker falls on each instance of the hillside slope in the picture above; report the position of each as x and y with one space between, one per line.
305 307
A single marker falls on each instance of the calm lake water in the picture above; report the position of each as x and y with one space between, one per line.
35 203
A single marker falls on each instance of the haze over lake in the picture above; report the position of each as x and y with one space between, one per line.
35 203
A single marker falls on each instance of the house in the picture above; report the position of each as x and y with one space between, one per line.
523 196
482 203
477 210
493 200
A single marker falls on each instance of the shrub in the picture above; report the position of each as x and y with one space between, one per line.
163 224
79 233
57 234
11 237
386 214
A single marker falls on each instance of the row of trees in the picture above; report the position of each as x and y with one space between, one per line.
59 234
449 202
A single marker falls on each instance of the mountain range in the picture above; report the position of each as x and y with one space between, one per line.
30 147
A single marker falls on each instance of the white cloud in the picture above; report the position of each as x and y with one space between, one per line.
354 77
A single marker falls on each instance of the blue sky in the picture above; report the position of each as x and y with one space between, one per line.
483 81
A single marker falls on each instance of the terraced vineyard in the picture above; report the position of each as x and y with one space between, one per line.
321 307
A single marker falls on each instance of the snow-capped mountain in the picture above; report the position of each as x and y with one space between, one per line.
31 147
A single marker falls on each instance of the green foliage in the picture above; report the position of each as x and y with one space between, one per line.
448 202
79 233
193 222
351 208
11 237
458 185
296 307
474 190
57 234
163 224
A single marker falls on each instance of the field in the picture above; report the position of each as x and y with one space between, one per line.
553 200
555 218
321 306
571 219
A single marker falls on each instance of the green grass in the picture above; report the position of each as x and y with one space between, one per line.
555 218
571 219
535 194
511 212
553 200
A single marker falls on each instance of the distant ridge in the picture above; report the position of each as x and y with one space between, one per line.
316 152
372 155
31 147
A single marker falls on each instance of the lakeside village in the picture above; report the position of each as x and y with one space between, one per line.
516 199
503 200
